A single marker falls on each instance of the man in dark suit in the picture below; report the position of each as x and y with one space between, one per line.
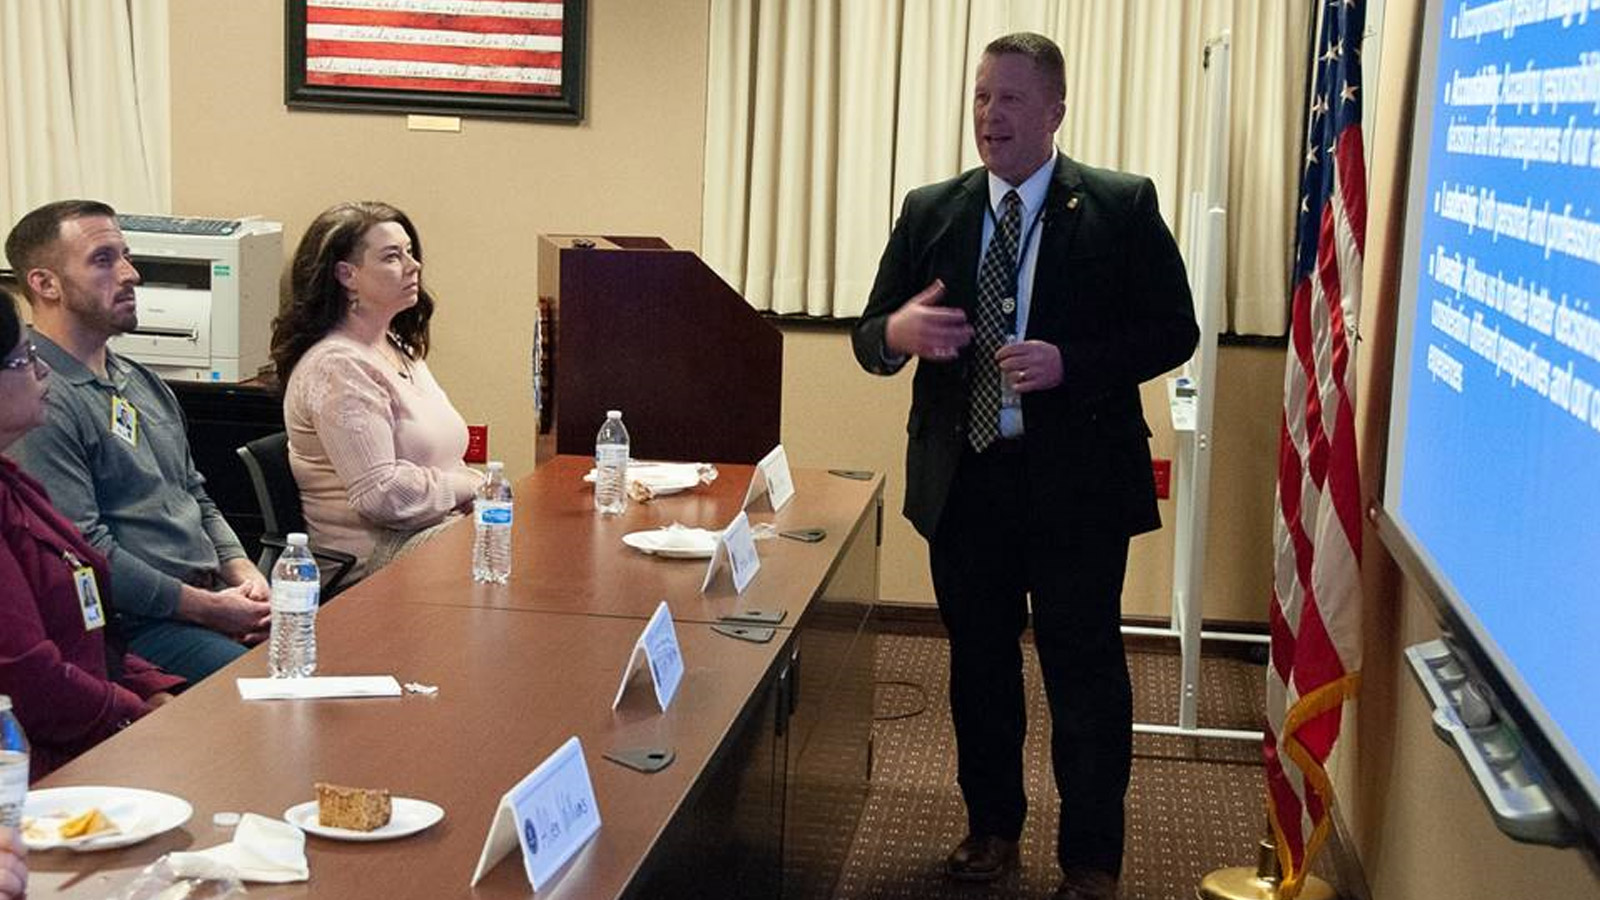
1028 463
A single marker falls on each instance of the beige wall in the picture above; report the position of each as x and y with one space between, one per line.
1421 829
480 198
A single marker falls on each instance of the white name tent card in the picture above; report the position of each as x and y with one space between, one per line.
550 814
771 479
318 688
658 646
736 545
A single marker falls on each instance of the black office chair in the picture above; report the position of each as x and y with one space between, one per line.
267 459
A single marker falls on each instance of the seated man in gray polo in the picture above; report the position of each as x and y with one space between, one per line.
115 458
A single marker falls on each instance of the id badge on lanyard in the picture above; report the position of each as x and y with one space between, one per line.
124 420
83 580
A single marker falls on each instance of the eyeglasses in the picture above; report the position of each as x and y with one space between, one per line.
28 359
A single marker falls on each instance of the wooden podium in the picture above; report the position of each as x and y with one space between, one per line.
629 323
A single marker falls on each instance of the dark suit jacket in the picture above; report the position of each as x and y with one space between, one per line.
1109 290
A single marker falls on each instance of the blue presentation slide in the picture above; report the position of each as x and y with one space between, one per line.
1501 464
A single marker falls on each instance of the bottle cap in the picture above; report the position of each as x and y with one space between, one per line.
496 465
613 413
296 539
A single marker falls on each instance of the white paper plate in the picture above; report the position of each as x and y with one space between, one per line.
139 813
406 817
685 544
661 478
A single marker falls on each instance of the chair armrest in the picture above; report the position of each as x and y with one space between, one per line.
341 561
342 564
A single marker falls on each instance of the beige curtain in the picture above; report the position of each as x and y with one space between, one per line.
822 114
86 104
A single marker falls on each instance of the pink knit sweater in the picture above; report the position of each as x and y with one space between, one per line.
372 448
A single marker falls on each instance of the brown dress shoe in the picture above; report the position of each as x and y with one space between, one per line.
1087 884
981 858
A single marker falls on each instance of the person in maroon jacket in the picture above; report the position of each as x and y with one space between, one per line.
69 686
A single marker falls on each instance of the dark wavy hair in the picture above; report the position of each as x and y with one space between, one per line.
318 302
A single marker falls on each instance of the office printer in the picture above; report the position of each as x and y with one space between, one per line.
208 294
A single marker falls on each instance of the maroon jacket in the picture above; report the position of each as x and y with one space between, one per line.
55 669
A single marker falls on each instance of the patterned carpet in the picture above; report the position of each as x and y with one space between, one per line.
1194 805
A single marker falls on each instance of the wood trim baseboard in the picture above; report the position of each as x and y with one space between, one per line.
922 620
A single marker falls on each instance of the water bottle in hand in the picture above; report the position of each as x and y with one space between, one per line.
491 516
611 466
296 590
13 766
1009 398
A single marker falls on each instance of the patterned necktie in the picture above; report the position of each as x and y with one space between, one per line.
997 284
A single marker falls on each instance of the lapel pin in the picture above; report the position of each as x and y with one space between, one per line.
1072 202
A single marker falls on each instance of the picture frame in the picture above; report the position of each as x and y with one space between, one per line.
491 58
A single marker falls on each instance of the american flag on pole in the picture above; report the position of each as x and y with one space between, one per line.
457 46
1316 592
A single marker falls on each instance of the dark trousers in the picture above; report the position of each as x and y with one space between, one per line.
994 546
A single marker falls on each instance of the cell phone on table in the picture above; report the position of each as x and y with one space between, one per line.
852 474
756 634
755 616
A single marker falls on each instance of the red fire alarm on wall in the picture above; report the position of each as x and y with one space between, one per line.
477 444
1163 472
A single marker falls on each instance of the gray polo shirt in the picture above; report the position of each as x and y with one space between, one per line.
132 490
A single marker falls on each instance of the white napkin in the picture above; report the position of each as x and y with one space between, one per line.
262 849
318 688
683 538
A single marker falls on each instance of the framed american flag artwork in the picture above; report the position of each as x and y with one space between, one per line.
505 58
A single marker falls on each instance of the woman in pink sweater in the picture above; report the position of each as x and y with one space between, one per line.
374 443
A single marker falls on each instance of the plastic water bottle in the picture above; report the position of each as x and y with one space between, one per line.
1009 398
611 466
13 766
491 517
296 587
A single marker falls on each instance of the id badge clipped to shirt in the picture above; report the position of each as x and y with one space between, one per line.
124 420
94 613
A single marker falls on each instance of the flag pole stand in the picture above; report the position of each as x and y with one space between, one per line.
1259 883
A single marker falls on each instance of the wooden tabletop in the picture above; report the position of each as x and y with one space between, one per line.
520 668
568 559
513 686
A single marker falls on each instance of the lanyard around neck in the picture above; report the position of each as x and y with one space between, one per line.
1022 246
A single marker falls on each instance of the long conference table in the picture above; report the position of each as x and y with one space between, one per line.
772 740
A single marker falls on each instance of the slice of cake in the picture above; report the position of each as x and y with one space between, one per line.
356 809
